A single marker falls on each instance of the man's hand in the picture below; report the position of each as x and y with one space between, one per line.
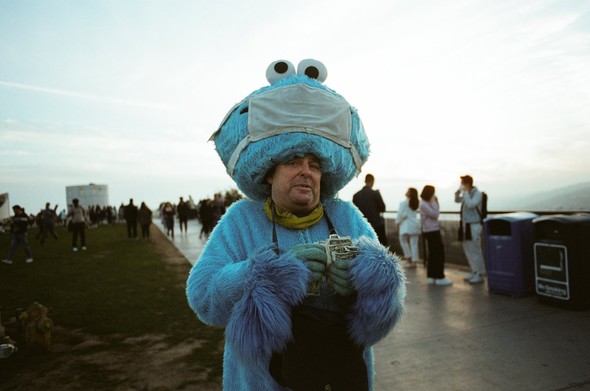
315 258
339 277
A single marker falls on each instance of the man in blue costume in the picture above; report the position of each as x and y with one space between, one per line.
296 276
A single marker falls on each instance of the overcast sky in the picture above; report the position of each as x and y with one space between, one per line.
127 93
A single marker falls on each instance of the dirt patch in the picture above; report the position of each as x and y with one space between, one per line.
79 361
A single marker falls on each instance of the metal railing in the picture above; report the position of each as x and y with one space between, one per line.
449 227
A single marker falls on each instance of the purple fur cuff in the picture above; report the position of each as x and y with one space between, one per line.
261 320
381 288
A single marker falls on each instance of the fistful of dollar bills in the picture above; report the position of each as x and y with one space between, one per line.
337 248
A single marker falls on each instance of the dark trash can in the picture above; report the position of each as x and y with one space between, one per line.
562 260
508 245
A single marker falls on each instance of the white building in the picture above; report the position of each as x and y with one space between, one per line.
88 195
4 207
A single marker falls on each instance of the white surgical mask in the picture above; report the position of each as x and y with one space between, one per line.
296 108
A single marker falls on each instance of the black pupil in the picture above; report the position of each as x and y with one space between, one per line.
312 72
281 67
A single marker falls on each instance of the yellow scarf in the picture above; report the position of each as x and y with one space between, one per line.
289 220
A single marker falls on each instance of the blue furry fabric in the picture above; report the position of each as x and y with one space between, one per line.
244 283
338 166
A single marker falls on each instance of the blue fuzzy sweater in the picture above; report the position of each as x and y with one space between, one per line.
240 283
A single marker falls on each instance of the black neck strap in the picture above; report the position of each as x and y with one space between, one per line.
330 225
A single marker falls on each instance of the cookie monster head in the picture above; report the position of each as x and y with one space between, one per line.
295 116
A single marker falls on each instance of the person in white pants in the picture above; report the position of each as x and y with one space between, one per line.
470 199
409 227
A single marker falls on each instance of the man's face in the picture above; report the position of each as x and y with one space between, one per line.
295 185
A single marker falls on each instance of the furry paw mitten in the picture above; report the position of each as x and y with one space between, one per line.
314 257
339 277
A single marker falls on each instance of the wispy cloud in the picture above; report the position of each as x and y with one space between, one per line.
81 95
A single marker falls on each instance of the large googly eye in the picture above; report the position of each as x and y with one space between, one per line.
313 69
278 70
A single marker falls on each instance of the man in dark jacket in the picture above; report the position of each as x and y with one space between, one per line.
48 218
182 211
18 227
130 215
371 205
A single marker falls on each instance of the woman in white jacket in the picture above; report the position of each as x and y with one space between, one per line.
409 227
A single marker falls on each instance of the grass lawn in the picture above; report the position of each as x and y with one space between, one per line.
124 295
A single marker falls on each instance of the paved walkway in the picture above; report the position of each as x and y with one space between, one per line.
187 242
464 338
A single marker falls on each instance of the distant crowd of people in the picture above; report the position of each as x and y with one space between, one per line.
208 212
417 214
79 218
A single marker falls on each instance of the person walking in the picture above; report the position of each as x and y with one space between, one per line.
470 199
19 225
130 215
48 219
168 213
78 220
144 217
409 227
429 213
182 211
371 205
206 217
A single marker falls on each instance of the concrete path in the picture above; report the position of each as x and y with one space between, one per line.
464 338
187 242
